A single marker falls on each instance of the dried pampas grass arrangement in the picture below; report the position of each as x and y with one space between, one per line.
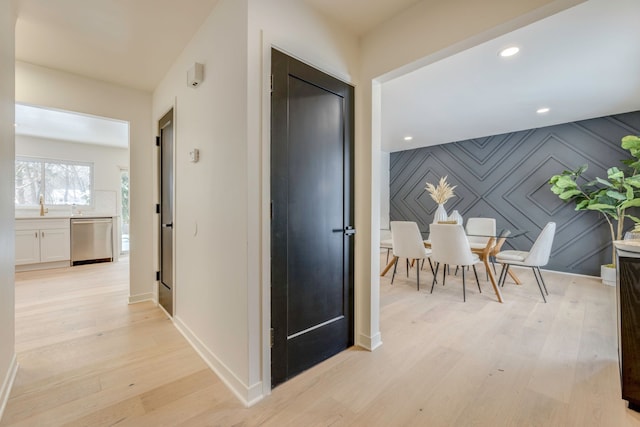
442 192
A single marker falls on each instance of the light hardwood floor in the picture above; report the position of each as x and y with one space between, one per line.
89 359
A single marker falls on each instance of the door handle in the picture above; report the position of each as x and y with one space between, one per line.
348 230
170 225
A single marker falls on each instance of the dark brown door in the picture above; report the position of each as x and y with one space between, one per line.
165 287
312 217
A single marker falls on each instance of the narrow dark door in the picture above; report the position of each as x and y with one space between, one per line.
312 217
165 288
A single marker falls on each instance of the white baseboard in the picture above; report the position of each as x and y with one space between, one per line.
248 395
133 299
165 312
7 384
369 343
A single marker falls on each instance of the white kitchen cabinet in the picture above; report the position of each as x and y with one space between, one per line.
27 246
42 243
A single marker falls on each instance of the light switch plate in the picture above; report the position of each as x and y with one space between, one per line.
194 155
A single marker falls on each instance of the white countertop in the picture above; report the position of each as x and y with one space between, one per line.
632 245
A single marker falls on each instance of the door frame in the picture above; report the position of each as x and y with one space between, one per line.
157 216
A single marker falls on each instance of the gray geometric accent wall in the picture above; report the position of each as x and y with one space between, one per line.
506 177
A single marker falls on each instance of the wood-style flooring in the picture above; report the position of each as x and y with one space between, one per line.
87 358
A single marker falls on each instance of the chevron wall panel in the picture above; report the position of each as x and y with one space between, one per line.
506 177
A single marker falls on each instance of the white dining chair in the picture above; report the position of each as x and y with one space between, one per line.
450 246
407 243
479 232
387 244
477 228
536 257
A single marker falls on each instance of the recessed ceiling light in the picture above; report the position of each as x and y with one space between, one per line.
542 110
509 51
408 138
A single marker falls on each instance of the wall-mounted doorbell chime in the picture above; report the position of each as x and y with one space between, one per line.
195 75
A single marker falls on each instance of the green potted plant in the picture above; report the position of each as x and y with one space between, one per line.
611 196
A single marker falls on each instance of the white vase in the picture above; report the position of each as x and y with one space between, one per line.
608 275
440 215
455 216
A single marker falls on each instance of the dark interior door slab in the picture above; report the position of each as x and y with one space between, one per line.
312 216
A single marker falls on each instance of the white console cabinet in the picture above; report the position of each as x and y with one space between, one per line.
42 243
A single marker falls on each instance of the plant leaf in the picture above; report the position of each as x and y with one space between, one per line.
633 218
631 143
615 174
604 182
630 203
569 194
582 205
616 195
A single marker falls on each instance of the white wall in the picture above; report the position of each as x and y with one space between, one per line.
8 364
211 195
56 89
219 282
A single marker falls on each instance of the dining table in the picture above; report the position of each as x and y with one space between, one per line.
492 247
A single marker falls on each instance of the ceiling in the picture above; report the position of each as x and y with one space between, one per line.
67 126
361 16
128 42
582 63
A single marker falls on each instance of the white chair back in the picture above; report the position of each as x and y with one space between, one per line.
407 240
486 226
541 249
449 245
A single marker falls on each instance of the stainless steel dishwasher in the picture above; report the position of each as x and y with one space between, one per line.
91 240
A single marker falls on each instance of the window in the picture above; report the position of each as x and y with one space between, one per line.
61 182
124 196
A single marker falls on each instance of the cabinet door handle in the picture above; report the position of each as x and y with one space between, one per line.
36 234
42 234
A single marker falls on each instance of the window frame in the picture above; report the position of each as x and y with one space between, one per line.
43 162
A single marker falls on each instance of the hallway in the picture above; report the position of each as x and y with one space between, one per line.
87 358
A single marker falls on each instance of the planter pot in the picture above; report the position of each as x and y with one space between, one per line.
608 275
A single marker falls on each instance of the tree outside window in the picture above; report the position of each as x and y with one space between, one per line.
61 182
